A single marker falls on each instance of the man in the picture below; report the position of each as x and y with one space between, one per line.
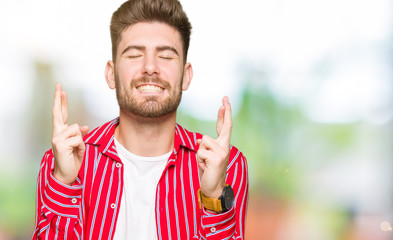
142 176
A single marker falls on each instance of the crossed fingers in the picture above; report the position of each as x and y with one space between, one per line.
60 110
213 153
224 122
67 141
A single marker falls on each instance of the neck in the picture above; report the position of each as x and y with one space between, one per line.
146 137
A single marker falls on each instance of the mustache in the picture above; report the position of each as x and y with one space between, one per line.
150 79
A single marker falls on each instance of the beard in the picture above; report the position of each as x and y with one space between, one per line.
150 106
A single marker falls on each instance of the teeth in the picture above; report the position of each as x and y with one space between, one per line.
149 88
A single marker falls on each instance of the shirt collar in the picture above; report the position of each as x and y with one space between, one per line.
103 136
185 138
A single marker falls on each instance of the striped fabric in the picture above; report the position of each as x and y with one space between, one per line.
89 208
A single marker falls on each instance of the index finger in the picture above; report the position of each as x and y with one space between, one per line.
57 115
226 129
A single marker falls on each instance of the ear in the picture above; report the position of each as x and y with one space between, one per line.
187 76
110 74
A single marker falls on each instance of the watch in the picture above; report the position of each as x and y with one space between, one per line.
221 204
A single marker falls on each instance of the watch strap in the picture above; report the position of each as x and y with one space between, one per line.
213 204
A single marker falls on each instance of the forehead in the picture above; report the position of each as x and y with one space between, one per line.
150 35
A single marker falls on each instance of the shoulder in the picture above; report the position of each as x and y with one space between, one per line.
102 133
48 156
186 138
236 155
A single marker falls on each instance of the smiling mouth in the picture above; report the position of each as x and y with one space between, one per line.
149 88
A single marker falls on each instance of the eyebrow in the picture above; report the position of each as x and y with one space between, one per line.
164 48
159 49
133 47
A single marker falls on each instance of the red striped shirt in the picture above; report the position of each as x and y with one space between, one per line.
89 208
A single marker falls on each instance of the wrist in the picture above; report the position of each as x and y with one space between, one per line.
220 204
214 193
63 180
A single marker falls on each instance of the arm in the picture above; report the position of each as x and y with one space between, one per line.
58 188
231 224
221 164
57 205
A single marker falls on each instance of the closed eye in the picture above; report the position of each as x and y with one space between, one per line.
167 53
166 57
134 56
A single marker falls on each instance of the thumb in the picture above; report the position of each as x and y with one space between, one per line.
84 130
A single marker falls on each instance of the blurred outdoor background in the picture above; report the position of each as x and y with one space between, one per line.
310 81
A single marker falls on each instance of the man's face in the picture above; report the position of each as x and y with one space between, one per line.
149 70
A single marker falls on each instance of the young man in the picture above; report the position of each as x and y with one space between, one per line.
142 176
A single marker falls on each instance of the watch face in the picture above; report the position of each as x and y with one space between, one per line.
228 197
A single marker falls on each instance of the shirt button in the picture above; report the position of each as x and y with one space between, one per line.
213 229
73 200
113 205
118 165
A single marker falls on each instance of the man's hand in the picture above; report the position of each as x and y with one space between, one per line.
213 154
67 141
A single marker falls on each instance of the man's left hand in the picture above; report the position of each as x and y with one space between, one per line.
213 153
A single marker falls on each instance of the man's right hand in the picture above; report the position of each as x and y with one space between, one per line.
67 141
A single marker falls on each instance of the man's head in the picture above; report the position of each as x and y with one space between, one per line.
150 74
149 71
136 11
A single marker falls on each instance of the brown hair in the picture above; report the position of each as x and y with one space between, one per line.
135 11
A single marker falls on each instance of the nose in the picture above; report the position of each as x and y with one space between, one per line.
150 65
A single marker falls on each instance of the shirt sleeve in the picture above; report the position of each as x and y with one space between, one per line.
230 224
57 205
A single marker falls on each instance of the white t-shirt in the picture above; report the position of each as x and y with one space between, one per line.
136 219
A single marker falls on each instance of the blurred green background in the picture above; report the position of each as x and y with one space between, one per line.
310 83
